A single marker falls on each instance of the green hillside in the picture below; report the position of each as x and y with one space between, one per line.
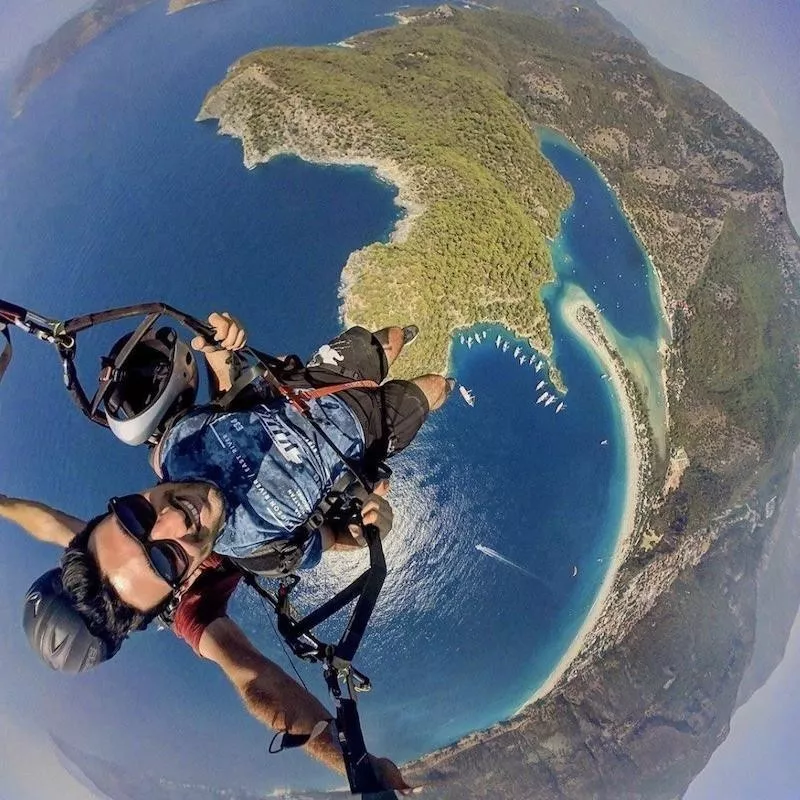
433 100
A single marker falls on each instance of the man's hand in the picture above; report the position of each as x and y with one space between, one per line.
376 510
391 777
228 333
230 336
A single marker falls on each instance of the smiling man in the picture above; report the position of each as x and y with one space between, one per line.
144 549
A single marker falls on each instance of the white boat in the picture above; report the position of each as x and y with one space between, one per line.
605 441
522 360
469 398
574 570
540 384
505 346
462 338
517 351
559 407
543 397
539 365
469 342
550 400
497 341
478 338
485 334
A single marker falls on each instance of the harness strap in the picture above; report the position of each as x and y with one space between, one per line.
297 397
300 397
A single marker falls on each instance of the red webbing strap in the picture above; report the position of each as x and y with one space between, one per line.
300 397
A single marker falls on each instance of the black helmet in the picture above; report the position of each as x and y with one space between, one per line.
57 632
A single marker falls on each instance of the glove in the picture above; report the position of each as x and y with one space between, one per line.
205 600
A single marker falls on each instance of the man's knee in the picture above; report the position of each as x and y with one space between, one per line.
434 387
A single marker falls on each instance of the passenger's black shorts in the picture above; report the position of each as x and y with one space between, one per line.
392 414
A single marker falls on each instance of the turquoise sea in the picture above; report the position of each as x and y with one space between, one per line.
111 194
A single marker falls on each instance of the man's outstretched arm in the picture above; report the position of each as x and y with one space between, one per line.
40 521
268 693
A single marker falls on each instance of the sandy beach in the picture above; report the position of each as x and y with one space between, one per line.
576 302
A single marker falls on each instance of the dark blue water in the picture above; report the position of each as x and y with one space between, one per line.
111 194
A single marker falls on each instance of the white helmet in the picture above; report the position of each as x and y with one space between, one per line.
157 380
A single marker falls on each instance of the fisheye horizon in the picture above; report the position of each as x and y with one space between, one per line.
564 233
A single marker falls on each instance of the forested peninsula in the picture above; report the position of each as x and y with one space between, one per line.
431 113
445 105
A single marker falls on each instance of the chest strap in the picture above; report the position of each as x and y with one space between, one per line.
298 397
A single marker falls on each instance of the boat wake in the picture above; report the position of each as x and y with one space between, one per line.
487 551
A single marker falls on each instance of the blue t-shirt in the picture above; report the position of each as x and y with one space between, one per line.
270 463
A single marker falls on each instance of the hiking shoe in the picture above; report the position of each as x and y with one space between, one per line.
410 332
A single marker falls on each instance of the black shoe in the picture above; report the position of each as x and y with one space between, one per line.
410 332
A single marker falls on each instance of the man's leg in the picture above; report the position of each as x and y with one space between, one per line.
392 414
394 339
398 410
434 387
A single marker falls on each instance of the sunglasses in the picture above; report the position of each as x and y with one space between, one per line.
137 518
